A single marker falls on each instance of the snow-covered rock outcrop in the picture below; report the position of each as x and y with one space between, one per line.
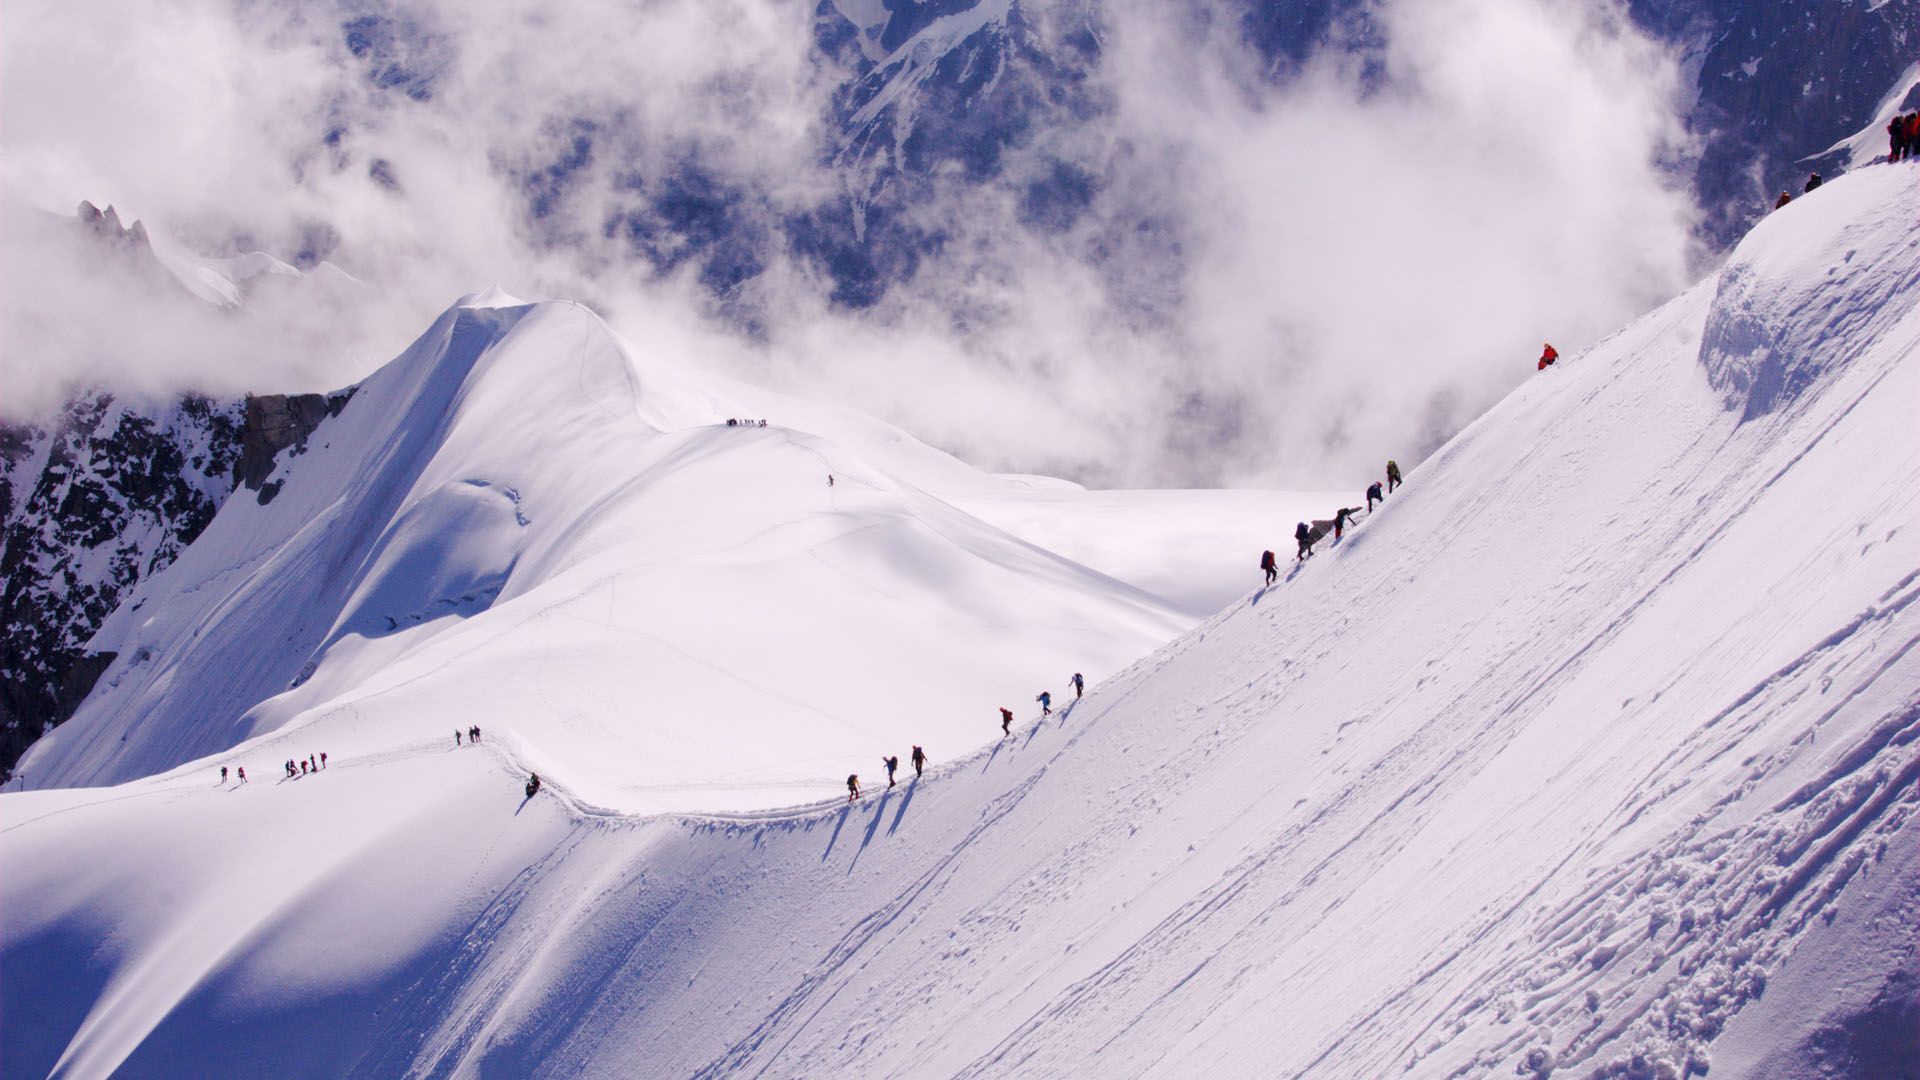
1552 767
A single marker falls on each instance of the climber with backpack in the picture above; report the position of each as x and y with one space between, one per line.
1340 519
1266 563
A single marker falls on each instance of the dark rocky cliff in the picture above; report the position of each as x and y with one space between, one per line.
100 498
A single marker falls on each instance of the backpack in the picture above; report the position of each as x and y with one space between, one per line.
1266 559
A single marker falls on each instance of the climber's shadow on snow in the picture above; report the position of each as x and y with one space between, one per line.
906 800
839 822
873 827
998 745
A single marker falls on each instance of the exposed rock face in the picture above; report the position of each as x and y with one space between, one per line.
102 497
275 422
106 225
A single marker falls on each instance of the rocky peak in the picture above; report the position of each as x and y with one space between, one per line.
106 225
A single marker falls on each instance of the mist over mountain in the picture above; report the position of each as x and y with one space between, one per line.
1114 241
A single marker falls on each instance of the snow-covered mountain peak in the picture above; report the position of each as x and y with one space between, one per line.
493 296
522 522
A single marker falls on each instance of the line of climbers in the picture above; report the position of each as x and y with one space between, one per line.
1903 144
1306 535
892 763
1903 137
295 768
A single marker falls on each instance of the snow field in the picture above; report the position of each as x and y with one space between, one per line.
1552 766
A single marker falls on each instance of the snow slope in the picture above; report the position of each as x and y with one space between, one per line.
1198 549
1546 769
519 525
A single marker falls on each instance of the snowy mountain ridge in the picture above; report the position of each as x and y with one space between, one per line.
524 487
1604 726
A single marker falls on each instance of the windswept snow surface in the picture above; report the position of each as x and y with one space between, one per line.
1195 549
1545 770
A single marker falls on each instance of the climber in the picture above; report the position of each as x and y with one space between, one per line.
1548 355
892 762
1393 470
1340 519
1373 493
1006 721
853 786
1046 703
919 760
1079 683
1813 181
1304 538
1266 563
533 785
1784 199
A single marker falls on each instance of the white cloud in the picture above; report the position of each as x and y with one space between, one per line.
1273 285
